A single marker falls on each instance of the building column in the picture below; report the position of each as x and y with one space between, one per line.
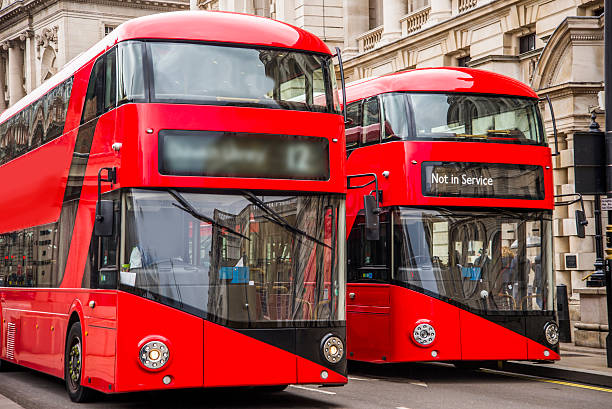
2 80
31 77
393 11
285 11
440 10
356 22
15 67
193 5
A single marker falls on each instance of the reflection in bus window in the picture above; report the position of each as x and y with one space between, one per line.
480 260
238 263
222 75
468 116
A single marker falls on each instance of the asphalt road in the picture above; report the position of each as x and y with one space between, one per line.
412 386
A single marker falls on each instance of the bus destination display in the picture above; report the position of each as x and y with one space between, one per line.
482 180
246 155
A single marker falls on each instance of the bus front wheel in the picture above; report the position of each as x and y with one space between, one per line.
73 365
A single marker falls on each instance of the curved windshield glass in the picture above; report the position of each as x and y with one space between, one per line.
223 75
484 260
462 116
242 260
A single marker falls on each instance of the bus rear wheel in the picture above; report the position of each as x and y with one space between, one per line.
73 365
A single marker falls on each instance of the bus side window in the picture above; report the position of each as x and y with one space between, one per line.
368 260
110 82
371 122
103 252
353 130
95 92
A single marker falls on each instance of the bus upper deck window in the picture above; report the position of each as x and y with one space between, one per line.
371 122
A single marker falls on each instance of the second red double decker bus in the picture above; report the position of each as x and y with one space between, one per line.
460 266
173 211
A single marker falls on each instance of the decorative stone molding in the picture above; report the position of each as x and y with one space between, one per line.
369 39
414 21
47 38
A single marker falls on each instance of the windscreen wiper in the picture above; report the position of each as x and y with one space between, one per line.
275 217
186 207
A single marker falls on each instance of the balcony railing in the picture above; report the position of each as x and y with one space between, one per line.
369 39
414 21
465 5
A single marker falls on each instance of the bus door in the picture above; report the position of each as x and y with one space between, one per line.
368 289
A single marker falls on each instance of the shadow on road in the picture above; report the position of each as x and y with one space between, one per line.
432 373
35 390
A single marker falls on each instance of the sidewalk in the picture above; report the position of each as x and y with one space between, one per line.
6 403
577 364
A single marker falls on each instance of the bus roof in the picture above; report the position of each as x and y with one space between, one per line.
441 79
219 26
213 26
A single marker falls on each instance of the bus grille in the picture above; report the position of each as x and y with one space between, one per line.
10 341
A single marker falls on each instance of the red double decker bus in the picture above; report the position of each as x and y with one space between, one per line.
460 266
173 207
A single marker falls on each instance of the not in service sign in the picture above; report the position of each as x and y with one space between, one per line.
482 180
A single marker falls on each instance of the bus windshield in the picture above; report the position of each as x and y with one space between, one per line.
198 73
494 261
237 259
474 117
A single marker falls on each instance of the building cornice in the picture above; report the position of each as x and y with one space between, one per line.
21 9
477 17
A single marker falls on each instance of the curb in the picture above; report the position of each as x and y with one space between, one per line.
556 372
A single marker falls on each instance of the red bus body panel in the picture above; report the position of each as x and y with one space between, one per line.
381 317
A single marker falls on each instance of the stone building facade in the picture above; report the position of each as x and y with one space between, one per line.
38 37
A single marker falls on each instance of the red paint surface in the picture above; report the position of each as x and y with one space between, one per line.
376 334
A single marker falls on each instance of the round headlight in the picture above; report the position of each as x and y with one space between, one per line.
551 331
154 354
332 348
424 334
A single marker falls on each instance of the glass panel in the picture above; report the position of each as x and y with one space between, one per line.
466 116
371 122
221 75
236 261
95 92
484 261
110 87
353 129
131 74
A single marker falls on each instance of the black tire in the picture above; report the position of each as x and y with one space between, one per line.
271 388
73 365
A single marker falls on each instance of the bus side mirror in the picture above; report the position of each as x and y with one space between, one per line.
581 221
372 219
103 225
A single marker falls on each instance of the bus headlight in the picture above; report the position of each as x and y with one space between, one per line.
551 331
424 334
332 348
154 355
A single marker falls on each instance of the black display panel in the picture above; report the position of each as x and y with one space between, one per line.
244 155
482 180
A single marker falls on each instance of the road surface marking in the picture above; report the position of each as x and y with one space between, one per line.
540 379
401 407
354 378
423 384
313 390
